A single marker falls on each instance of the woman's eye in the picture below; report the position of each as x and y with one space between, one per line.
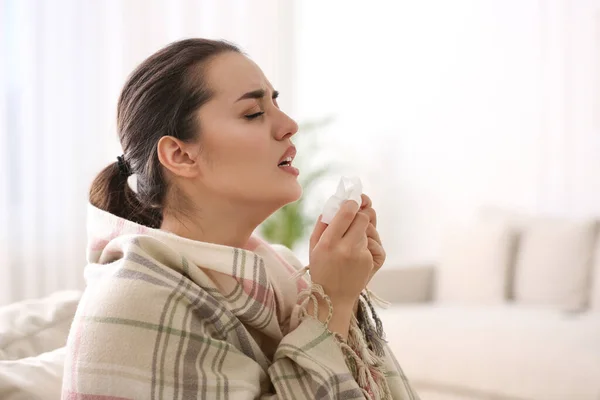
255 115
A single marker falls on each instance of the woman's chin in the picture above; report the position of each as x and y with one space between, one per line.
292 193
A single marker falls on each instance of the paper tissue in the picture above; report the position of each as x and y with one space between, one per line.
348 189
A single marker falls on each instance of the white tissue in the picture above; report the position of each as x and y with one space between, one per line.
348 189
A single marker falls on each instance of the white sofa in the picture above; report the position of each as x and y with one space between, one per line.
510 312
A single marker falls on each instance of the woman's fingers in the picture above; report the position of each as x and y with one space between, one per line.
356 232
373 233
341 222
317 233
370 212
378 253
345 219
367 207
366 201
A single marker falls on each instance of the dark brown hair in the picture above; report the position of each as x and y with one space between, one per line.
160 98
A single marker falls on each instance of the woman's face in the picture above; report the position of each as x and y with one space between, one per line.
244 137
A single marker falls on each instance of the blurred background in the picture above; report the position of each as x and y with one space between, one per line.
443 108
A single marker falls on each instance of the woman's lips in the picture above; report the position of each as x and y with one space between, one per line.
290 170
289 154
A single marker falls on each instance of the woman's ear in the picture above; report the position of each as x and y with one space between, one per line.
181 158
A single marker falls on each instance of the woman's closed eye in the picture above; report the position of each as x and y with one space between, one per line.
254 116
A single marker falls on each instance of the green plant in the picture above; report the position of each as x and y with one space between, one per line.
291 223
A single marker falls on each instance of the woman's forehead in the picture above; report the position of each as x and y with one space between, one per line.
230 75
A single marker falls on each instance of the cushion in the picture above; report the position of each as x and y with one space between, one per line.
33 378
32 327
475 263
410 284
553 265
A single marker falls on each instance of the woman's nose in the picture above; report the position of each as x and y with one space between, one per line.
287 127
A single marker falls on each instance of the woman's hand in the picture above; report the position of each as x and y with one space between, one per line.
341 257
373 240
374 246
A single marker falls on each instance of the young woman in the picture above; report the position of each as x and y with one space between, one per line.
182 301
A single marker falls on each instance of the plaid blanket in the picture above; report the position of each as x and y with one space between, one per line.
164 317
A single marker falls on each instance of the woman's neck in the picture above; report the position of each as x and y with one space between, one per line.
222 224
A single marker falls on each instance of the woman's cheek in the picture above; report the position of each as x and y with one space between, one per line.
255 144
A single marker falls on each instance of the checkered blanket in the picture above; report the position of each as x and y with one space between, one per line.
164 317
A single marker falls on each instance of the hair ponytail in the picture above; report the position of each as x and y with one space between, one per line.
111 192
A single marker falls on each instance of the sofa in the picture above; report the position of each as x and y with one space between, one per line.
510 311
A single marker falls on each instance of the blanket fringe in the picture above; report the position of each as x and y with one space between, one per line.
299 273
378 300
364 349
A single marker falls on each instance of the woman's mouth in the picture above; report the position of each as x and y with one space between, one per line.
286 166
286 162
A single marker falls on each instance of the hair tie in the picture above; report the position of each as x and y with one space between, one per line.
123 166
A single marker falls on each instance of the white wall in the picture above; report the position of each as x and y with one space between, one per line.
443 107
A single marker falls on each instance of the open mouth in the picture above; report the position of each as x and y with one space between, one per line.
286 162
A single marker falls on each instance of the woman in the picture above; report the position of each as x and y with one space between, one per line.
182 301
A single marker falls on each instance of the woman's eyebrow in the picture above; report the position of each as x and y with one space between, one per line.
257 94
